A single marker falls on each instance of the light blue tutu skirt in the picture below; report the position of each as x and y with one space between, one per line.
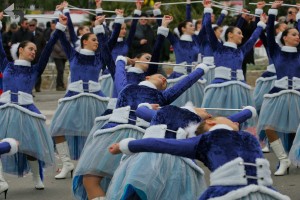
280 111
96 159
230 94
107 84
75 115
30 130
156 176
294 154
262 87
194 94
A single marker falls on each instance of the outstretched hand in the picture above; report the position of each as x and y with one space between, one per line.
263 17
276 4
260 4
99 20
1 16
139 4
114 149
63 20
167 19
157 5
207 3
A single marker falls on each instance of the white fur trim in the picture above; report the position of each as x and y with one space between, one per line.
277 39
189 106
181 134
156 131
192 164
22 63
122 58
227 83
259 11
60 26
145 104
118 127
221 126
261 24
119 19
230 44
175 80
25 110
66 10
98 29
13 146
244 191
271 68
120 39
273 12
106 76
252 109
163 31
13 50
57 13
1 25
124 146
298 16
224 12
135 70
148 84
187 38
263 172
142 123
214 25
99 11
265 79
203 67
289 49
282 92
137 12
191 129
156 12
102 118
208 10
103 99
86 52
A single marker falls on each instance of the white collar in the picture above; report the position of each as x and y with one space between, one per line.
22 63
148 84
186 37
87 52
135 70
120 39
220 126
289 49
230 44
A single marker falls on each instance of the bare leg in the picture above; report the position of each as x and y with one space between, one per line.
91 184
59 139
272 135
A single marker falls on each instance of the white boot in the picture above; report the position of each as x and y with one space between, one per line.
282 156
34 165
266 149
64 154
3 183
99 198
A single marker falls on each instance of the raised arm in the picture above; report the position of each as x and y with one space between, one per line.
188 11
58 33
157 12
185 147
162 33
221 18
172 93
3 58
255 35
120 80
214 42
117 28
137 13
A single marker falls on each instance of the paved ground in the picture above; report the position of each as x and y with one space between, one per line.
23 188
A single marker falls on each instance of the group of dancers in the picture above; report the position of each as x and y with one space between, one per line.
148 117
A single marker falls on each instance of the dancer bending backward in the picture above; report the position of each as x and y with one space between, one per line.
20 118
186 49
96 162
171 177
277 117
84 100
234 157
228 89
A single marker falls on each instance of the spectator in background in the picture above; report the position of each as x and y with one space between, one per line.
7 40
291 17
23 33
144 37
49 27
40 42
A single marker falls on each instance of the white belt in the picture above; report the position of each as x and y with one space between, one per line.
121 115
77 86
284 83
181 69
159 131
23 98
234 173
112 103
271 68
209 60
225 73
